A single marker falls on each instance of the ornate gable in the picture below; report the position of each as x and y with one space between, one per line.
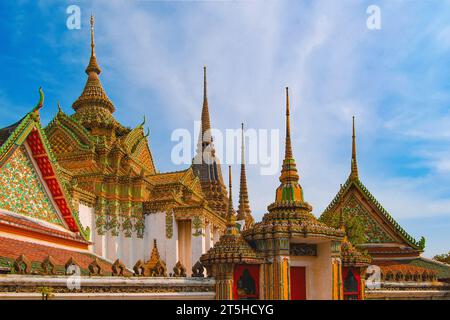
356 199
67 136
22 191
142 153
27 162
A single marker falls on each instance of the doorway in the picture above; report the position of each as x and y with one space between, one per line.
298 283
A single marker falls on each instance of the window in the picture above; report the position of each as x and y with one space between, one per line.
351 286
246 282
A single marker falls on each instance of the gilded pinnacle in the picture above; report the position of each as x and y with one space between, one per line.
354 164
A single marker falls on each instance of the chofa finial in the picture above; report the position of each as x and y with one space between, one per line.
41 100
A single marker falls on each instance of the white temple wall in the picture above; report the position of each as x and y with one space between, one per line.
87 218
138 250
184 243
172 255
112 246
198 246
155 228
126 250
318 272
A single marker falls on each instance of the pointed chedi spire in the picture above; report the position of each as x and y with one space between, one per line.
290 189
93 65
244 212
206 164
231 216
289 216
93 94
206 123
354 163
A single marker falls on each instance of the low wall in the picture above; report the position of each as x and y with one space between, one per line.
71 287
409 291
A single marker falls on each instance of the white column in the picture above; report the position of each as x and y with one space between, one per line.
171 252
155 228
198 246
184 244
126 252
99 244
138 251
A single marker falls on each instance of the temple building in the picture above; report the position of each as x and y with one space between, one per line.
288 255
39 226
121 198
397 255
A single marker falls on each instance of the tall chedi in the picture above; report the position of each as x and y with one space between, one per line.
206 165
244 212
284 230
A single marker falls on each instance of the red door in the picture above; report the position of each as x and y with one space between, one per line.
298 283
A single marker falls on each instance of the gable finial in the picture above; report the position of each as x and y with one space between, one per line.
143 121
41 100
354 164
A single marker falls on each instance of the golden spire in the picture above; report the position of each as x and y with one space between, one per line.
289 190
206 123
354 163
93 94
93 65
231 217
288 150
242 145
244 212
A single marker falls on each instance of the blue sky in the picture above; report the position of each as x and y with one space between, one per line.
396 81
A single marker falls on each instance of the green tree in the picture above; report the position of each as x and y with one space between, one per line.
445 257
354 226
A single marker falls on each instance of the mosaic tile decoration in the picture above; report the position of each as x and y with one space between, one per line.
21 190
374 233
